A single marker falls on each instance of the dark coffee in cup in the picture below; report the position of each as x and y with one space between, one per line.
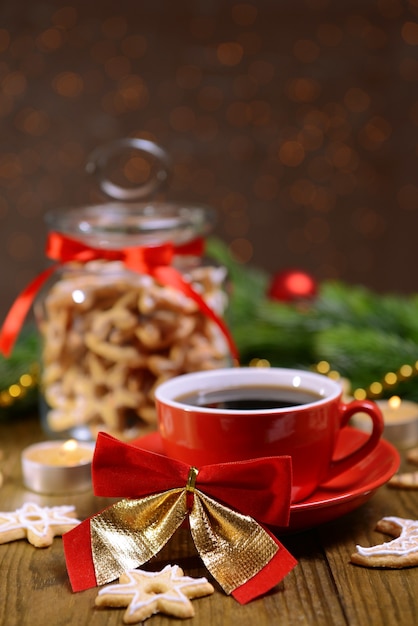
249 398
239 413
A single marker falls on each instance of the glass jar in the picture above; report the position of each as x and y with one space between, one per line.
130 304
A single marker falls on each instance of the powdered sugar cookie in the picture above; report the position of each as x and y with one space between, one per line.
412 455
38 524
146 593
396 554
405 480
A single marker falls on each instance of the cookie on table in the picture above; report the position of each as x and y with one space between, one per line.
401 552
145 593
407 480
39 525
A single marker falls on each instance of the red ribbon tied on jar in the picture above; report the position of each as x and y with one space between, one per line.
226 506
155 261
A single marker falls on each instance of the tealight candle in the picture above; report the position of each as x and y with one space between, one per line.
401 421
57 467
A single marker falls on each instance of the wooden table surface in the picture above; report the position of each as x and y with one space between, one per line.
324 588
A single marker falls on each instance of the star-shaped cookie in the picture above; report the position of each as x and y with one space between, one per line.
396 554
146 593
38 524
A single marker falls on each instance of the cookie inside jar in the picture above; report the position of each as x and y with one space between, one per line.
132 303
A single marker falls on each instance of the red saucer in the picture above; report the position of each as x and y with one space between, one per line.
339 496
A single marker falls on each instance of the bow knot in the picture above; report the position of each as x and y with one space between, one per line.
155 261
230 502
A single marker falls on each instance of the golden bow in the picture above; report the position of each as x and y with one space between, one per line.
233 546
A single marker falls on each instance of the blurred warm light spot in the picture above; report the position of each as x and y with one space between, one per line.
317 230
360 394
234 201
29 205
117 67
229 53
407 197
324 199
20 246
137 170
263 71
405 371
238 114
320 169
375 132
244 14
302 191
316 118
369 223
10 167
266 187
4 39
237 224
408 69
114 27
32 122
342 156
133 93
66 17
376 388
244 86
50 40
68 84
210 98
188 76
291 153
323 367
306 50
329 35
182 118
409 33
241 249
134 46
391 379
261 114
14 84
311 137
241 148
303 89
356 100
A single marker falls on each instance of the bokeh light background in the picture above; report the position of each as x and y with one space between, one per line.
296 120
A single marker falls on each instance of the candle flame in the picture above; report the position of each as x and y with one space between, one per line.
394 402
69 445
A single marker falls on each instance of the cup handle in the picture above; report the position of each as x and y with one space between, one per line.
348 410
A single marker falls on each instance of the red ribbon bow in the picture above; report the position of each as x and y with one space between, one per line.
257 489
153 260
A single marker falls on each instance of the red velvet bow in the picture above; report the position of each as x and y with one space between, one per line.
259 489
153 260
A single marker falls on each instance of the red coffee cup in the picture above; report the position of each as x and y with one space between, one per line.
242 413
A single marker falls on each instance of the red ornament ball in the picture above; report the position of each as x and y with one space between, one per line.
292 285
